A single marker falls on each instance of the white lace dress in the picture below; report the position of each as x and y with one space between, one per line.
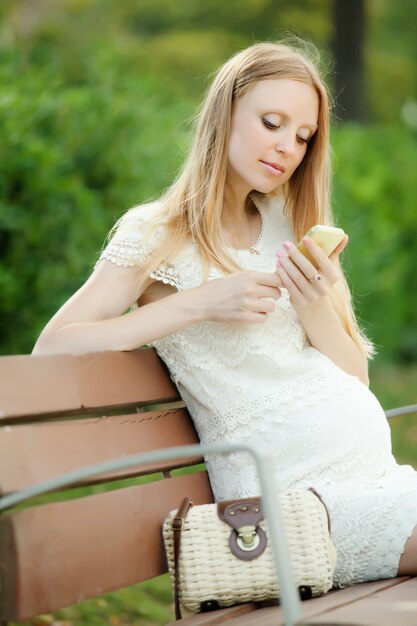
264 384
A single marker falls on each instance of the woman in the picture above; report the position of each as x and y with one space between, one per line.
263 348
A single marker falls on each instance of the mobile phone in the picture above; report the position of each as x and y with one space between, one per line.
327 237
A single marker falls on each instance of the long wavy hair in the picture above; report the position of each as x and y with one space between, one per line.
191 208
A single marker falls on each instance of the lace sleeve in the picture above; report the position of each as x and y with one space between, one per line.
129 248
133 242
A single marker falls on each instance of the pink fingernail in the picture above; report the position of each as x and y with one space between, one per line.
280 254
287 245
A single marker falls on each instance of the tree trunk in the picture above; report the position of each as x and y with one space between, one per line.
348 40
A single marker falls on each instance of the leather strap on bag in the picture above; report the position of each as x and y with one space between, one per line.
247 540
325 507
177 526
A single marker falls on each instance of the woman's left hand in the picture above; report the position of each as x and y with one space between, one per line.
305 283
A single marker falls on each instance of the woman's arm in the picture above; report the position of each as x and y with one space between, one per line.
312 302
92 320
326 333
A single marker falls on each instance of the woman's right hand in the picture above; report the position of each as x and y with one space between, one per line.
239 297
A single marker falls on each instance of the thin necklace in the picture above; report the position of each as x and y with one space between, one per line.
252 249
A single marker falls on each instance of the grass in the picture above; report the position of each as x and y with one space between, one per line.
151 604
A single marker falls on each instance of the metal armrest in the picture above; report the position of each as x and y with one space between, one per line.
402 410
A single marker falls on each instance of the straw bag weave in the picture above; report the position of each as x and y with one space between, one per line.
220 554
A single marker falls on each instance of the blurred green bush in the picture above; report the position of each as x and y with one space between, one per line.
375 200
73 159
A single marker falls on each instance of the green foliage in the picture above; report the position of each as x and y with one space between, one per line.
375 199
254 19
391 54
73 158
395 386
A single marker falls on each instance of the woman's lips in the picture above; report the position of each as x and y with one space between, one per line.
273 168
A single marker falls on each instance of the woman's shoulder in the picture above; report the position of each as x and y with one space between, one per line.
139 219
135 235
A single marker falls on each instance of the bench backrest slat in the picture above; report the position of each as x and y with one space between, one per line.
48 449
92 545
38 385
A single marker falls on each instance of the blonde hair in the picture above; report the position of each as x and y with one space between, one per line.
191 209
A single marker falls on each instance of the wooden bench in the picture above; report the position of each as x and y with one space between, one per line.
61 413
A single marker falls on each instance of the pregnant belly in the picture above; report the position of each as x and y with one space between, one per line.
341 439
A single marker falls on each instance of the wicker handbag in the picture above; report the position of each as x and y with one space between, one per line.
219 554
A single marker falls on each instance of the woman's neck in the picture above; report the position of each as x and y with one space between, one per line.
242 225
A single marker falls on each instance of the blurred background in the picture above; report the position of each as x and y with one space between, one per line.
96 98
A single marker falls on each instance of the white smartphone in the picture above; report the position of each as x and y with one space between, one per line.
327 237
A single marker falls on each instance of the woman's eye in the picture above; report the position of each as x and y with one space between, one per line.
269 124
302 140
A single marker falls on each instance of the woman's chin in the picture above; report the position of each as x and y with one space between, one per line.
268 186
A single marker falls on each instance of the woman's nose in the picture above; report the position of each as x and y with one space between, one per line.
286 143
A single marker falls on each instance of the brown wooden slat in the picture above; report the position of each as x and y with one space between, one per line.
337 608
317 607
271 616
31 385
67 552
389 607
343 597
48 449
218 617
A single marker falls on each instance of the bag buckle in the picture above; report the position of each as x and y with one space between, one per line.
248 538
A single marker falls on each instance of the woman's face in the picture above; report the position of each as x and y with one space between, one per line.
270 129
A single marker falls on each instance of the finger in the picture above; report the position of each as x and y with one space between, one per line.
255 318
281 284
289 284
323 263
259 305
297 276
342 245
269 292
265 285
315 252
269 279
299 260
